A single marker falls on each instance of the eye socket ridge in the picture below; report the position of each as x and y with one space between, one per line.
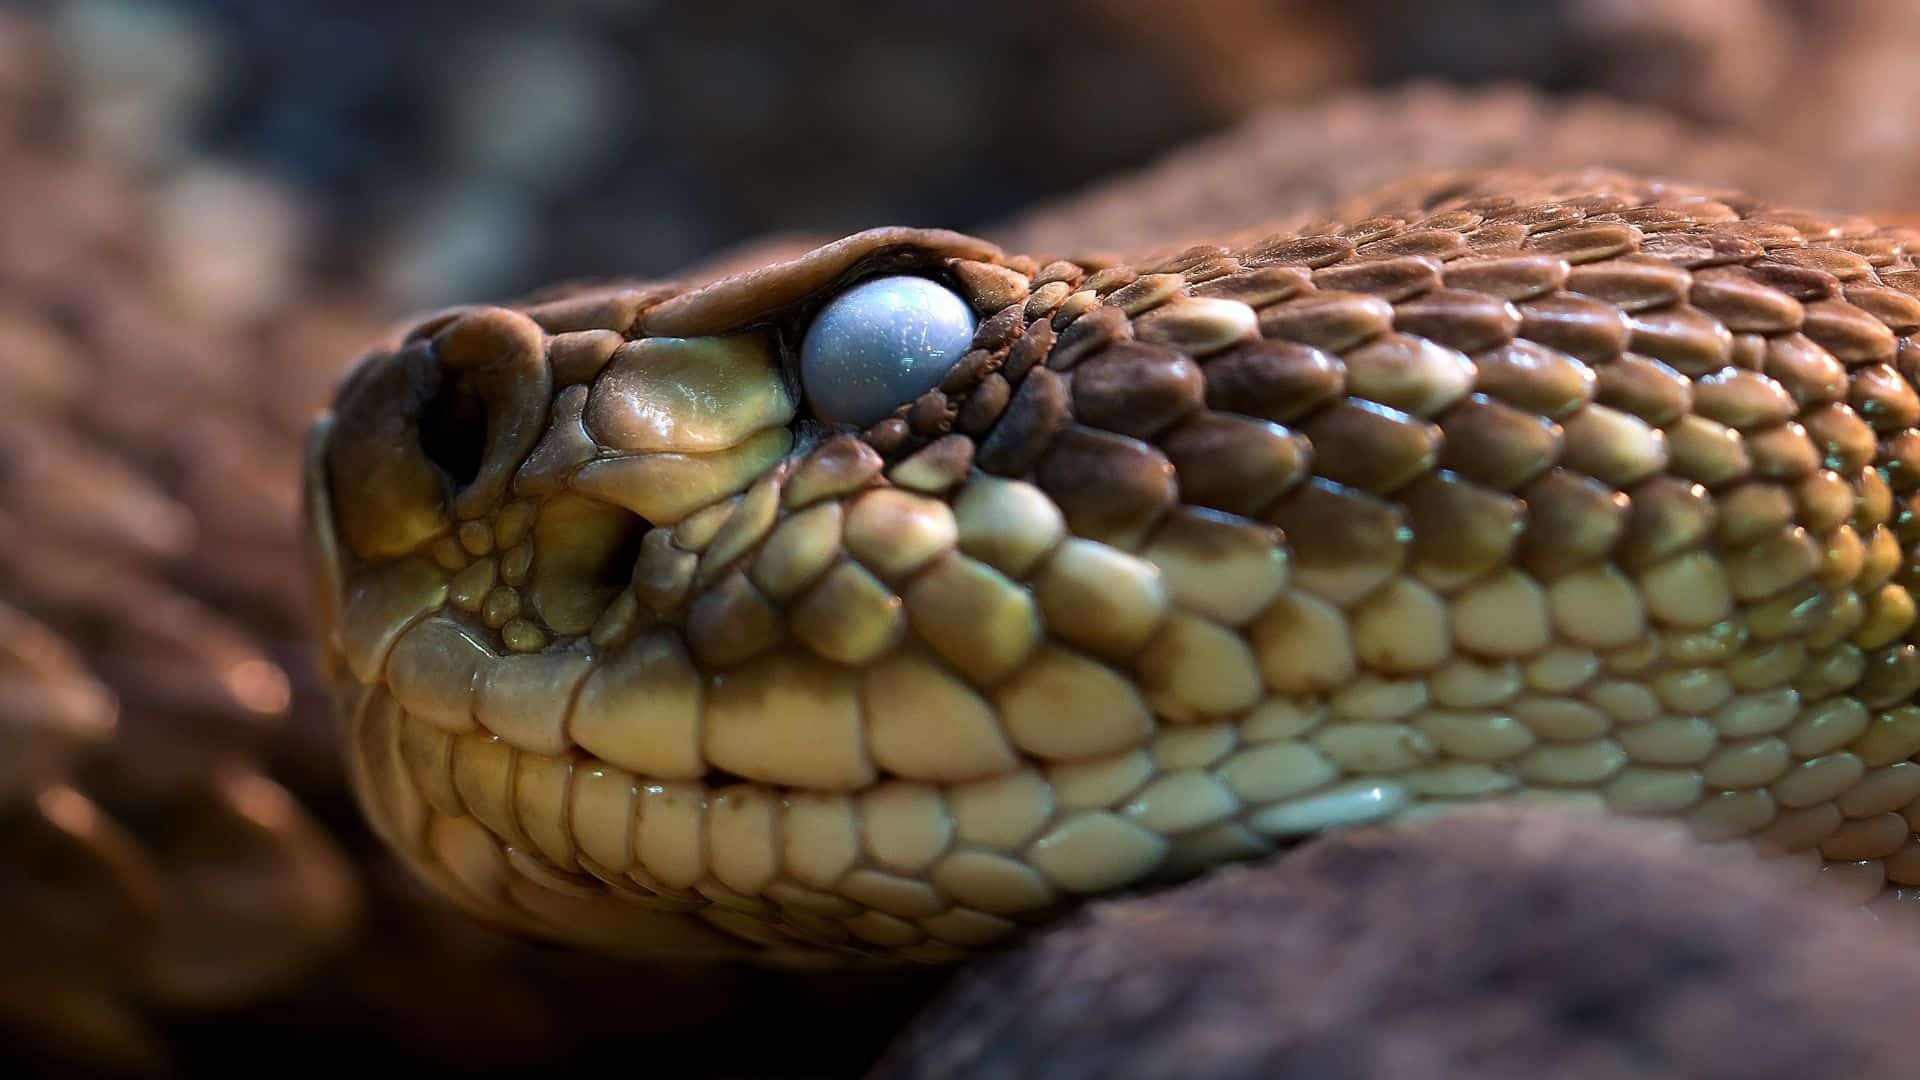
880 344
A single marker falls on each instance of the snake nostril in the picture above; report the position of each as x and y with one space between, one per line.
485 404
453 430
431 433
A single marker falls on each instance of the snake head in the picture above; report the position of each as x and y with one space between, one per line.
829 606
699 550
786 614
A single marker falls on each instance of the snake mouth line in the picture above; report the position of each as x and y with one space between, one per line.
1590 496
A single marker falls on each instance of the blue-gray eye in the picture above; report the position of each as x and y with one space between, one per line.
881 344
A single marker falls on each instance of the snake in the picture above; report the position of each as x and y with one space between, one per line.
184 875
887 601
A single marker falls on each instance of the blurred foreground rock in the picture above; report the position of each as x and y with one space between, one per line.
1503 943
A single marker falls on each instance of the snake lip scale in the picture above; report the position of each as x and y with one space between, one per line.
1583 488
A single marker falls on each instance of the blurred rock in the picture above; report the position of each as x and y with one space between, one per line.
454 150
537 110
460 242
1299 159
457 150
237 243
1501 943
140 74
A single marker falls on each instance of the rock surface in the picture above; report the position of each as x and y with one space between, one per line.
1500 943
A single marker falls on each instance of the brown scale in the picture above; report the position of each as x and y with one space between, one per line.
1724 352
1792 425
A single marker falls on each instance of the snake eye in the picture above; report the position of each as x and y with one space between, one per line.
881 344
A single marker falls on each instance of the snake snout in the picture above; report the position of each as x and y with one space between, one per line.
433 432
512 475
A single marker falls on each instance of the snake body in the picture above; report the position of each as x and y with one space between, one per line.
233 896
1581 488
